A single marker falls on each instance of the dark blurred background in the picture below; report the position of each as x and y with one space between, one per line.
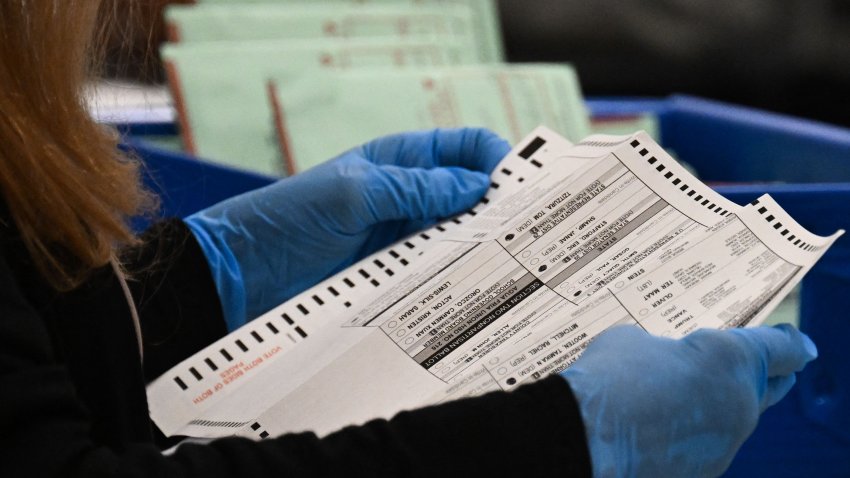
790 56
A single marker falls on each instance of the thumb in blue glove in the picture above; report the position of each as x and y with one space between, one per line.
660 407
267 245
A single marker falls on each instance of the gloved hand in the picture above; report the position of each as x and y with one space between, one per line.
656 407
267 245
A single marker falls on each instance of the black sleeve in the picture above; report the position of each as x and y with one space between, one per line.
45 431
175 295
533 430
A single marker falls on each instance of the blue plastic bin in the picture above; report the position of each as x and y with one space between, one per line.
186 184
804 165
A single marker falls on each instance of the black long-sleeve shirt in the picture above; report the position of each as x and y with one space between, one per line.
73 404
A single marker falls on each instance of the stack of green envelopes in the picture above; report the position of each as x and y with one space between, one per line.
220 88
320 116
280 86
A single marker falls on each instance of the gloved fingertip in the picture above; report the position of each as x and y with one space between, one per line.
493 147
782 348
810 346
493 142
425 194
478 149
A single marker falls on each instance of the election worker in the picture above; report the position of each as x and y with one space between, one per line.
89 312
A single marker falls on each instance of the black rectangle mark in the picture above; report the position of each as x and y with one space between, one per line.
389 272
394 254
181 383
224 353
506 171
211 364
241 345
196 373
272 328
404 262
333 291
379 263
257 336
318 300
363 273
424 236
532 147
301 332
288 319
348 282
375 283
536 163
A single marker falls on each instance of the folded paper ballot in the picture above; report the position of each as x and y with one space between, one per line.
361 104
276 21
569 241
220 87
485 16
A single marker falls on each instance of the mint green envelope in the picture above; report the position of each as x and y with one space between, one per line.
220 87
275 21
321 116
485 17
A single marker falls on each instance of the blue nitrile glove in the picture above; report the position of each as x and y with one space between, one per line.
658 407
267 245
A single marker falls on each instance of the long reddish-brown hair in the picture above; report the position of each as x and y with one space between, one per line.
66 186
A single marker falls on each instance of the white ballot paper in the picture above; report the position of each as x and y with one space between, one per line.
569 240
